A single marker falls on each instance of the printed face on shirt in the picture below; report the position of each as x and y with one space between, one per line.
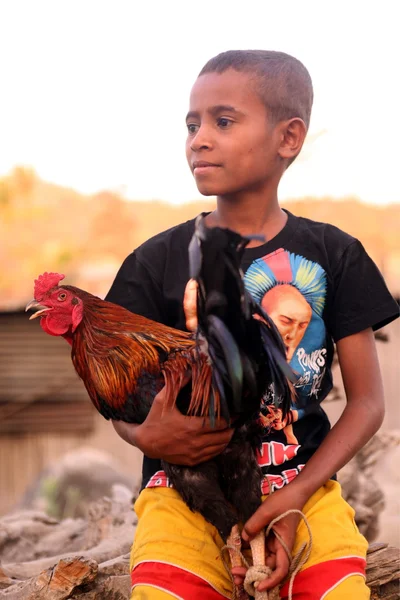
231 145
291 314
292 290
273 417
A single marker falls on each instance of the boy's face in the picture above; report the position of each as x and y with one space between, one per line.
231 146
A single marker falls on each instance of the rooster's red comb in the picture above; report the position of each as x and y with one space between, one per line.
45 282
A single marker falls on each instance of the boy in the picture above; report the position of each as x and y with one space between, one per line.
249 114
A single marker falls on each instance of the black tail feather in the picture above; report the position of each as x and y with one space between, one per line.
223 345
244 345
223 408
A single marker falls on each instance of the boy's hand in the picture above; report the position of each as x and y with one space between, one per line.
171 436
168 434
276 557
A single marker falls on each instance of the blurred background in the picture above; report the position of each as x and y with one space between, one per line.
92 130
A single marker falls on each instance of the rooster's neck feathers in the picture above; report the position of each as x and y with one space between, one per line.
116 347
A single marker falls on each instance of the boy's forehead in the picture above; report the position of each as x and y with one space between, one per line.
231 87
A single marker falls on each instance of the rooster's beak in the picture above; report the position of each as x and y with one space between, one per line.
39 309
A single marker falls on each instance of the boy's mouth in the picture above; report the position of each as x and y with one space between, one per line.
203 166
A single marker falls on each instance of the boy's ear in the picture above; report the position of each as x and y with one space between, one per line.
293 135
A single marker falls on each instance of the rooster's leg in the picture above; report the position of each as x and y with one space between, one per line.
234 543
257 546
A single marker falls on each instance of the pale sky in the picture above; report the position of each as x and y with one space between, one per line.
94 93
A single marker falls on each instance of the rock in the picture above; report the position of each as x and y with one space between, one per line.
359 481
68 487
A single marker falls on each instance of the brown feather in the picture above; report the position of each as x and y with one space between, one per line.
116 346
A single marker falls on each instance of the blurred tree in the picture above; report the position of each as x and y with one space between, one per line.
112 228
45 226
23 180
5 195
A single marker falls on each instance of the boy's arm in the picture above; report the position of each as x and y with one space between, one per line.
361 418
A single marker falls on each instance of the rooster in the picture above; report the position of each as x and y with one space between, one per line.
236 355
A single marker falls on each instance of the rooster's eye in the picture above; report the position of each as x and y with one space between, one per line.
62 297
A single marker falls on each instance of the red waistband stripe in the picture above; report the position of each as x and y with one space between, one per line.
180 583
315 582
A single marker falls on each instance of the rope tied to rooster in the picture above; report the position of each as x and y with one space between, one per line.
257 573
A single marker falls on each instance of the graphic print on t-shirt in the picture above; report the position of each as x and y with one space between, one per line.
292 290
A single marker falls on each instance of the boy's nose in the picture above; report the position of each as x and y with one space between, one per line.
201 141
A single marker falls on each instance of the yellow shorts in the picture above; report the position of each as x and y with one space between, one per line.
177 554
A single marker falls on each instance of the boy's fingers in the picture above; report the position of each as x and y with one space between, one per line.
215 448
255 524
277 575
211 452
239 573
190 305
270 561
215 438
202 425
219 425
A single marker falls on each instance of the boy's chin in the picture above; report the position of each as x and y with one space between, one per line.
212 190
207 193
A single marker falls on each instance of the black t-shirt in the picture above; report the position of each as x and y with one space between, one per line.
318 285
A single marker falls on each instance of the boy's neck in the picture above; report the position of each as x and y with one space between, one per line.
249 218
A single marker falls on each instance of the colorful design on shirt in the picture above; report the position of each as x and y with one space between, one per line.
292 290
159 479
276 454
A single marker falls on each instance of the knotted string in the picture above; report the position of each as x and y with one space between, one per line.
258 573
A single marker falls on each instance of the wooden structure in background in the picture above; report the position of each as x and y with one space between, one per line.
44 408
39 389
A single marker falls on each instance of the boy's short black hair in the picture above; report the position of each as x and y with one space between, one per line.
283 82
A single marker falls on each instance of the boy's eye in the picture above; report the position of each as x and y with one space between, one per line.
223 122
192 127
